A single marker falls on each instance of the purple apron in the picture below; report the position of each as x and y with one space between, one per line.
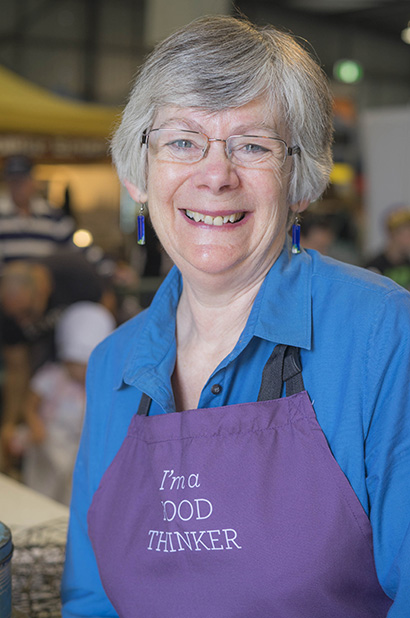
239 511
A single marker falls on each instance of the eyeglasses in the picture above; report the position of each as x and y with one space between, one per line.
180 145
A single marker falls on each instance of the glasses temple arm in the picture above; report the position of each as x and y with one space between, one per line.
293 150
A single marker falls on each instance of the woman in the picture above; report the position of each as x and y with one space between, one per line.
243 503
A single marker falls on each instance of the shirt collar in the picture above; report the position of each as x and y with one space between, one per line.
282 312
156 349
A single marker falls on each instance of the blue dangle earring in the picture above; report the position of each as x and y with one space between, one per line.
141 226
296 235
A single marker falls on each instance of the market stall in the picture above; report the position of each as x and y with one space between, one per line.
49 127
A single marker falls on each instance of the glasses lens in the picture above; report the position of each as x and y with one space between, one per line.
177 145
254 151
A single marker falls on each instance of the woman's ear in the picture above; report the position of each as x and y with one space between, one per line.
300 206
135 193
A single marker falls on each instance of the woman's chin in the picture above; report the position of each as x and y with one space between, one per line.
213 260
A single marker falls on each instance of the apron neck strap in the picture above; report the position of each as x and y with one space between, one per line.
144 406
282 367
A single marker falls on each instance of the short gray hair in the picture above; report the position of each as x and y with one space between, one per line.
220 62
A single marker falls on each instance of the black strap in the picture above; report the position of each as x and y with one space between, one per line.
144 406
283 366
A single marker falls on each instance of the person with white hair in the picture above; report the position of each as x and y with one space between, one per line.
56 401
245 446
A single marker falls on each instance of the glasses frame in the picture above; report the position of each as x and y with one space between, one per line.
289 150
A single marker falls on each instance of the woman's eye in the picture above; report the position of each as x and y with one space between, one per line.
254 148
183 144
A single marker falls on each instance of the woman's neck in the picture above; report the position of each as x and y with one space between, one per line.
213 319
214 307
207 331
211 315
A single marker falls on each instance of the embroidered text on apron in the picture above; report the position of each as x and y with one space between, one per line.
234 512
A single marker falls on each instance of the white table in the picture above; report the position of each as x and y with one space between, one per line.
22 507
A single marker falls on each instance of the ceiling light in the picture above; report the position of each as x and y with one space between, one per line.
347 71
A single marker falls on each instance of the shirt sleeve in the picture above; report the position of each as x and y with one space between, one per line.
387 446
82 592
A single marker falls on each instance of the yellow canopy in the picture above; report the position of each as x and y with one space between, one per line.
27 108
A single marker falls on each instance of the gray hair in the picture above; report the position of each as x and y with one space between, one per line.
221 62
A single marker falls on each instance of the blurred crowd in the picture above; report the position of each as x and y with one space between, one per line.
57 302
334 235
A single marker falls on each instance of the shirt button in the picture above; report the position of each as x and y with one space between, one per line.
216 389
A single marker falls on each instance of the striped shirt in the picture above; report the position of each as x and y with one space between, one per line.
35 236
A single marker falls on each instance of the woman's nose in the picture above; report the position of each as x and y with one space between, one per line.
215 171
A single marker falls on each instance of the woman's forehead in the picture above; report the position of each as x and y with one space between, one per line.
255 114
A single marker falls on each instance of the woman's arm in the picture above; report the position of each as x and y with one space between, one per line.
82 592
387 447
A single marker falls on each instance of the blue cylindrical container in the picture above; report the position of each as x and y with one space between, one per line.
6 551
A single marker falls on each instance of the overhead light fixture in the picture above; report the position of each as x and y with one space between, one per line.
405 34
348 71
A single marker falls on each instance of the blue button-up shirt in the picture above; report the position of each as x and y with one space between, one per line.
353 330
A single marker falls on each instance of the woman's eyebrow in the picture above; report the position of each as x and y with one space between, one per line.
246 129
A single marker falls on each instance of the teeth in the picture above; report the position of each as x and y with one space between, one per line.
218 220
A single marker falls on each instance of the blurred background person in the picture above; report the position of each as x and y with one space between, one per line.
33 296
29 226
55 404
317 231
394 260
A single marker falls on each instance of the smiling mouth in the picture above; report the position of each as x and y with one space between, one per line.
218 220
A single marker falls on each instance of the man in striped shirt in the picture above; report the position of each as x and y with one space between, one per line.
29 226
